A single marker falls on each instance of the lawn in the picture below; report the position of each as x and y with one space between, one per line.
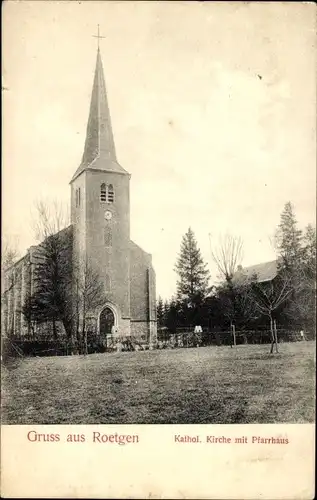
244 384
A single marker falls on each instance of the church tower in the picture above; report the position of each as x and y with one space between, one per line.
100 213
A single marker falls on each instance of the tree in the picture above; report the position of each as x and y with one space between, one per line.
288 239
89 295
51 298
309 252
301 305
193 277
297 255
228 256
172 315
234 297
160 312
9 251
236 303
268 297
9 255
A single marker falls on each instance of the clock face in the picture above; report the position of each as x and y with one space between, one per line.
108 215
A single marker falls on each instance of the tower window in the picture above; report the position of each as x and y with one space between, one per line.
106 193
77 197
103 193
110 194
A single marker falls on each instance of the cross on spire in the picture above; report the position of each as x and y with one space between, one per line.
98 36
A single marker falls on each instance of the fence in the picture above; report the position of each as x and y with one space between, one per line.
20 347
217 337
27 346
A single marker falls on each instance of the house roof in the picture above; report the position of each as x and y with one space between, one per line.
264 272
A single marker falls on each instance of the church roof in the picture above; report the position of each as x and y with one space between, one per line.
99 151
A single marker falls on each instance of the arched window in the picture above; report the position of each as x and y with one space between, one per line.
106 321
108 236
110 194
103 193
106 193
78 197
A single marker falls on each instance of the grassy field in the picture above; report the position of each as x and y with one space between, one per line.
205 385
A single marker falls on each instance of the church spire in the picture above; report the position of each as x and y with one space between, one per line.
99 137
99 150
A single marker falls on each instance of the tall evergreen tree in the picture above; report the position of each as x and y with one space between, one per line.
289 239
309 252
298 262
193 276
301 308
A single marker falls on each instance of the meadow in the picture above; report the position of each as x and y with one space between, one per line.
243 384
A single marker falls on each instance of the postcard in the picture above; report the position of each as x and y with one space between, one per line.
158 280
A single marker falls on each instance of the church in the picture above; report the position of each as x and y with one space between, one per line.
100 235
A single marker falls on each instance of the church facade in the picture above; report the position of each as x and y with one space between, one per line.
100 236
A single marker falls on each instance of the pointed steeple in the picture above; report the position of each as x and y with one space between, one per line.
99 151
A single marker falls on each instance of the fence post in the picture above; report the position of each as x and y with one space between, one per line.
275 335
234 335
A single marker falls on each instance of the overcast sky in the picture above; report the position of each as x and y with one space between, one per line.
213 110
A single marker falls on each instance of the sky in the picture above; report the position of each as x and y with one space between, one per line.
213 109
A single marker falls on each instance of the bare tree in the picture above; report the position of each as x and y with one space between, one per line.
89 294
49 219
227 256
9 251
9 255
269 297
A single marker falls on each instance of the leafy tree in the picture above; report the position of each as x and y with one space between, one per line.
193 277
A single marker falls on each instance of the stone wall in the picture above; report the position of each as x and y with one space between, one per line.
140 330
139 297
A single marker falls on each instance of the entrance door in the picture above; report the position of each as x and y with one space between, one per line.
106 321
